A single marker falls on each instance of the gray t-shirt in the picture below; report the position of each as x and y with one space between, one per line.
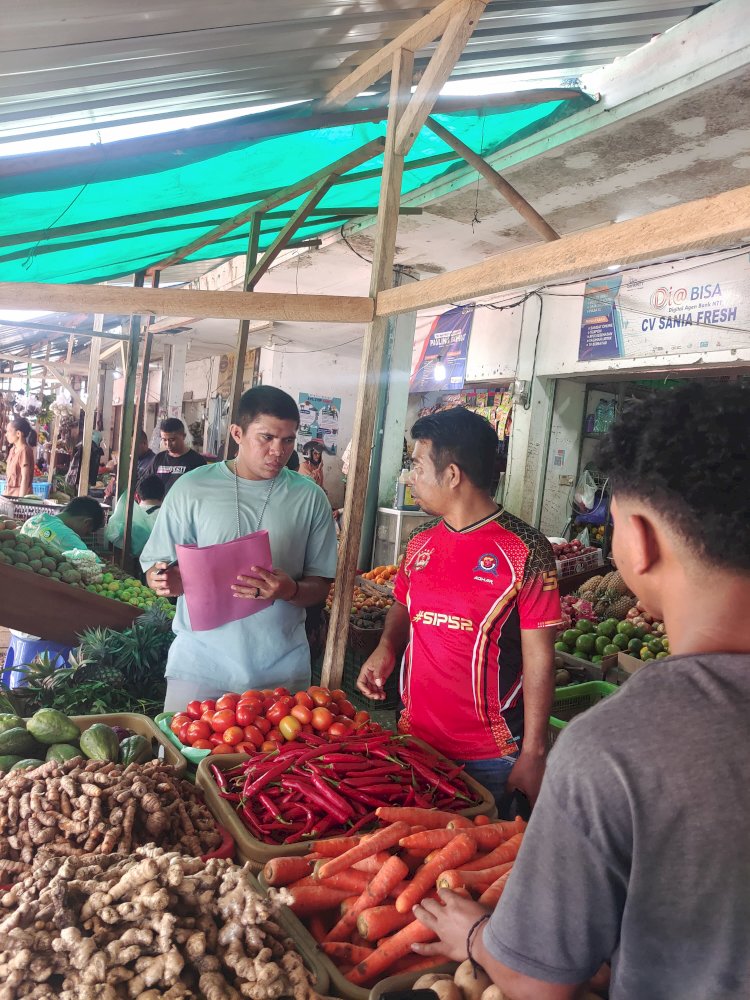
638 851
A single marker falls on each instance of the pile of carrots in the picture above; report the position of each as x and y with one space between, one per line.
355 895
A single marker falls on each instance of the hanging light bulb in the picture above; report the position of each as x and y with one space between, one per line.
439 371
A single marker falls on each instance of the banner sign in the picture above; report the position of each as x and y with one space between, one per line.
442 365
673 308
319 418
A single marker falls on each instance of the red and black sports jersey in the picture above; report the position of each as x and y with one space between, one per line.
469 595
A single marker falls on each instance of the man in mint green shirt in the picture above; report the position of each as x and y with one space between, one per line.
267 649
63 531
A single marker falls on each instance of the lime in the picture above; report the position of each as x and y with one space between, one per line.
596 659
114 587
635 646
107 578
601 643
621 641
611 650
607 629
655 646
571 636
646 654
641 631
662 655
586 644
579 654
560 647
585 626
626 628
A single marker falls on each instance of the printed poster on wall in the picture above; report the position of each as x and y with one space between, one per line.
672 308
319 418
442 364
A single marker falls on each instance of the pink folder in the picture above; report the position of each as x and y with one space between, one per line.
208 573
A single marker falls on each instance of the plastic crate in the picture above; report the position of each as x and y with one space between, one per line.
579 564
254 851
141 725
340 985
189 753
39 489
571 701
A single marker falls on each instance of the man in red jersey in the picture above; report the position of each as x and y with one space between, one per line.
475 612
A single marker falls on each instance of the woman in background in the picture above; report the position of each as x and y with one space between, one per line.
20 465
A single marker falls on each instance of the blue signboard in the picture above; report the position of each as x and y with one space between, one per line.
443 362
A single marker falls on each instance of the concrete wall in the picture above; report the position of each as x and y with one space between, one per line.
326 373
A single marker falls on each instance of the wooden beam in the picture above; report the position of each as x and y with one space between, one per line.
340 166
183 302
92 388
242 334
371 374
712 223
496 180
284 238
59 375
415 37
109 352
458 31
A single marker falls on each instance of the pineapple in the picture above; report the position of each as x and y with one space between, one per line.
97 656
620 606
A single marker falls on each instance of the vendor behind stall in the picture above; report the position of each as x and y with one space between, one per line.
20 465
65 531
227 500
475 612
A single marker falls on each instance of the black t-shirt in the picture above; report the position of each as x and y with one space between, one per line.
169 468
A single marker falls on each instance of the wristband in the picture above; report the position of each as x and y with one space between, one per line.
474 964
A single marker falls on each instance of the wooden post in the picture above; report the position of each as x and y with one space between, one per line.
242 331
133 324
92 388
370 375
496 180
138 415
44 371
53 451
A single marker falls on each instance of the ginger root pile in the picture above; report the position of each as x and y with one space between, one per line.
153 926
96 807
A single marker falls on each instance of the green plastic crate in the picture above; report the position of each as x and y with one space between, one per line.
571 701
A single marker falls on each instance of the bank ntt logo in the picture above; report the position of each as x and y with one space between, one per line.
487 564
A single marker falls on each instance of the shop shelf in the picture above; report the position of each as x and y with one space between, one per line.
255 851
571 701
339 984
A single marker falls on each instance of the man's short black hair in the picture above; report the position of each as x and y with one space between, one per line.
151 488
265 400
686 454
463 438
85 507
172 425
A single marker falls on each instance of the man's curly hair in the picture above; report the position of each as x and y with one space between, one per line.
686 454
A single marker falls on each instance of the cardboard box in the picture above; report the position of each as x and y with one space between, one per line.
584 669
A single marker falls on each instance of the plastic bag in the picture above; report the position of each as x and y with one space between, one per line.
140 528
585 494
87 563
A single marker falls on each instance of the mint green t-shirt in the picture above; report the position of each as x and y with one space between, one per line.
54 531
269 648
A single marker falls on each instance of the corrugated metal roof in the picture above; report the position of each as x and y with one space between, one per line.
76 65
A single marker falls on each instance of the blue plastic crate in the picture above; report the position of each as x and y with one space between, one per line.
39 489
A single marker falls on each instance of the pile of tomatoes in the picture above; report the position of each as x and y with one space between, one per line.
265 720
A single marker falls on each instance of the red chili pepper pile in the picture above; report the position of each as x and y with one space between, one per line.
311 788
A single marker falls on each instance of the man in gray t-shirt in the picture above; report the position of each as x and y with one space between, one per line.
638 853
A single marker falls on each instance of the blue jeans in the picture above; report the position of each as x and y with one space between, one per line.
493 774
